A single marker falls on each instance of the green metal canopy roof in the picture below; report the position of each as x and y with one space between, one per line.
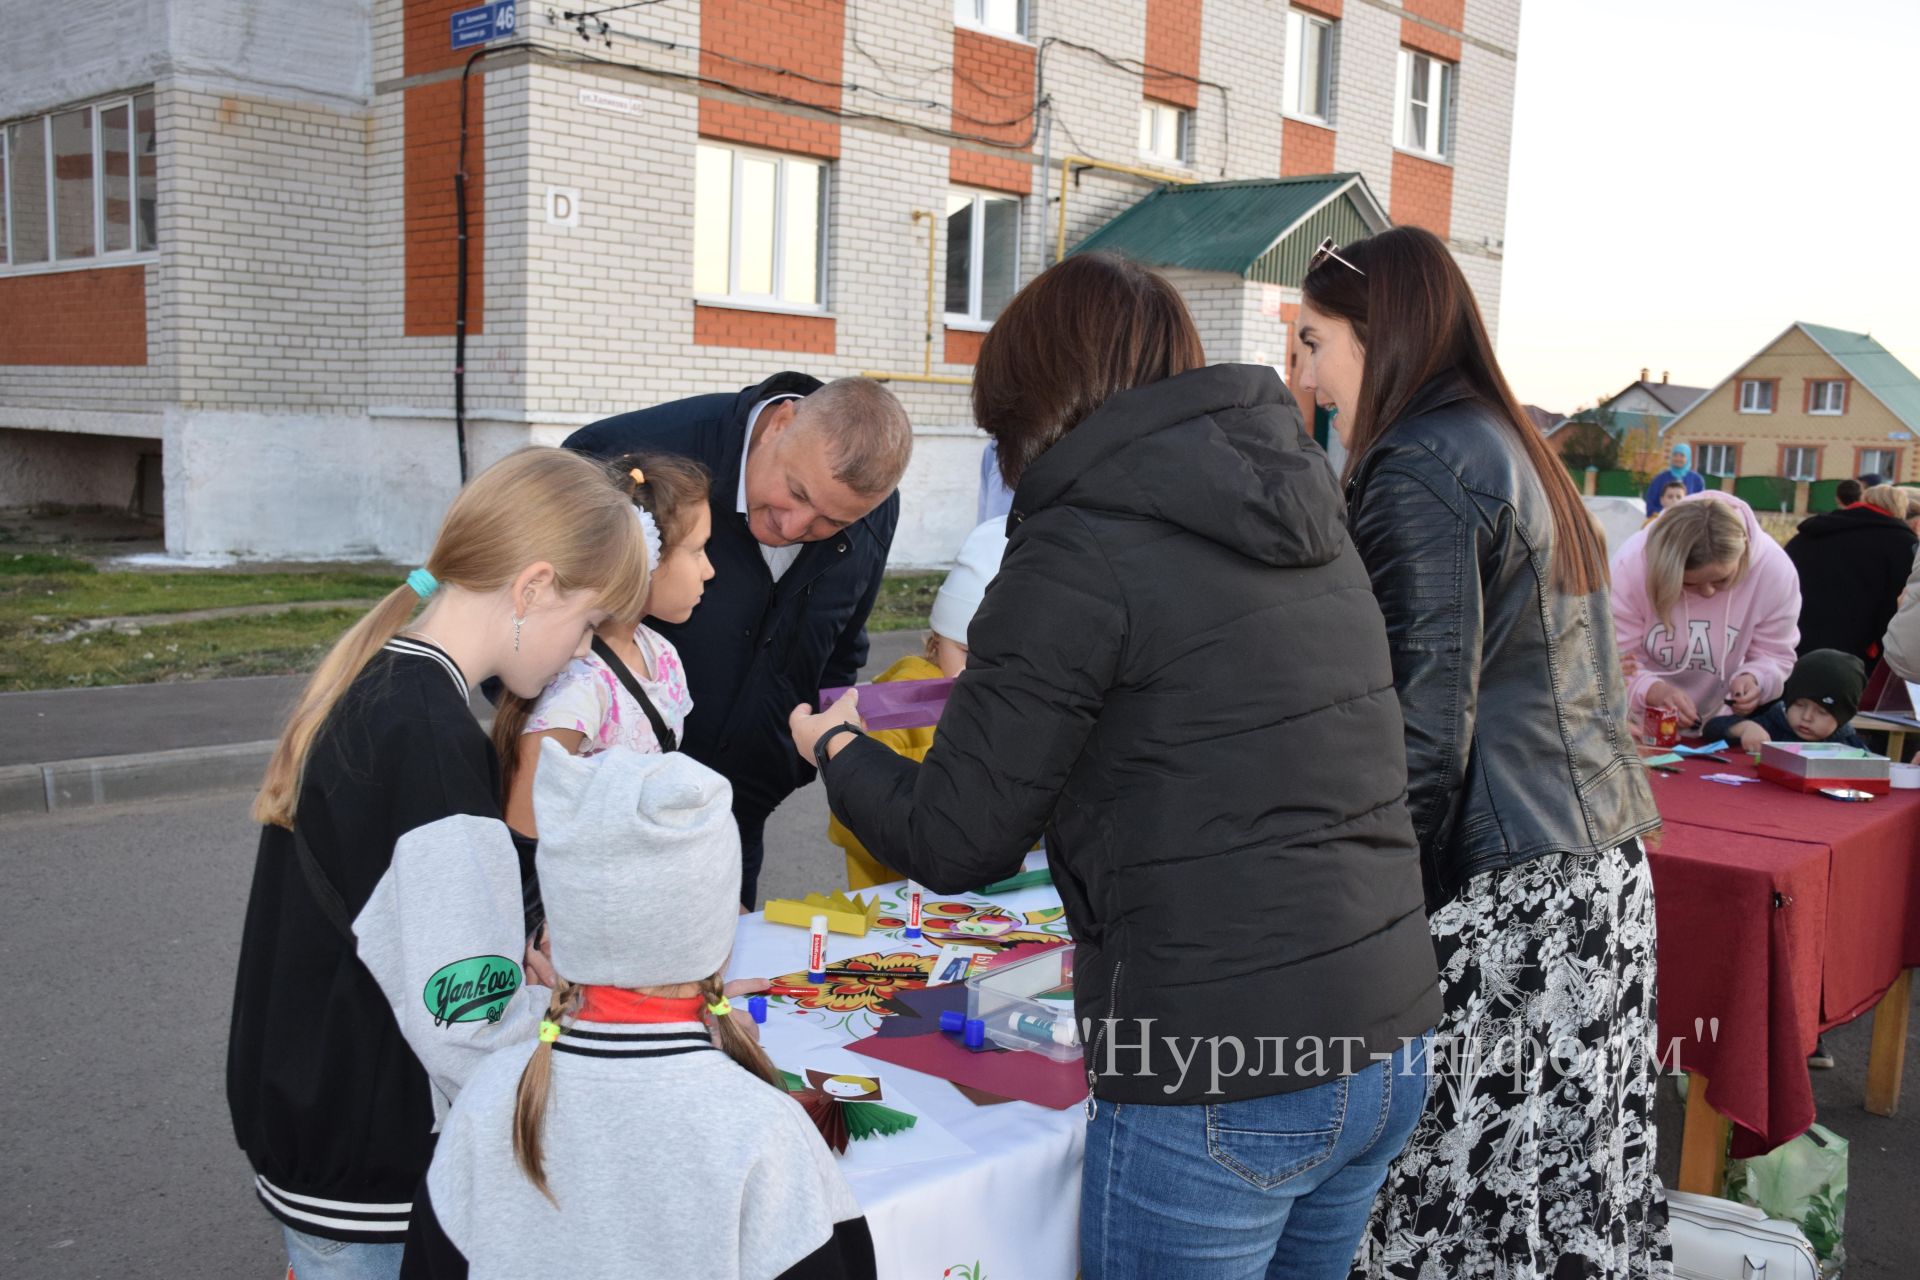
1874 367
1262 229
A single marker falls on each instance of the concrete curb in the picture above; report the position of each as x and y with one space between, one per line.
77 784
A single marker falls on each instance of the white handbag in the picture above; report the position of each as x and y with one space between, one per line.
1715 1239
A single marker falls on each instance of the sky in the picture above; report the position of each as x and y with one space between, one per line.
1689 177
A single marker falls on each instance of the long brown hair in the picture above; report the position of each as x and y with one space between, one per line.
537 504
1429 324
536 1079
672 490
1081 331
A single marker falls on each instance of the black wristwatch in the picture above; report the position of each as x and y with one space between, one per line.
820 745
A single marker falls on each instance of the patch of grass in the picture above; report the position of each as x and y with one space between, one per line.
905 601
275 644
271 644
63 595
38 562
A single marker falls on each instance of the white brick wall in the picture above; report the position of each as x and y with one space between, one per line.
1363 96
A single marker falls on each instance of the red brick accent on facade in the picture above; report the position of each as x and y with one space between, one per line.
963 346
763 330
1325 8
1450 14
803 37
87 317
992 81
432 155
1173 52
1422 193
1304 148
432 115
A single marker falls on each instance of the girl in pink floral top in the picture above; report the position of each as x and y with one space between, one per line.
587 708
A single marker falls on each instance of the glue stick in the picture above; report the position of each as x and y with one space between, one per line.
817 950
913 910
1057 1030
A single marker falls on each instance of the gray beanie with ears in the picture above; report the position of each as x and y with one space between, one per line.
639 864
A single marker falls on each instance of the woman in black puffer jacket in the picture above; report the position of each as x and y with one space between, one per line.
1180 676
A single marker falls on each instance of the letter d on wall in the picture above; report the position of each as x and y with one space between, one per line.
563 206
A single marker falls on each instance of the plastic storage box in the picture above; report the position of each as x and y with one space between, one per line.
1028 1005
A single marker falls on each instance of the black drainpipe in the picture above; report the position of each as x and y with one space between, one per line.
460 277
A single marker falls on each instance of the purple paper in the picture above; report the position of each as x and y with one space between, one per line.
898 704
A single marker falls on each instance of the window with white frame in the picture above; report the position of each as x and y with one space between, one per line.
1164 131
1827 398
1008 17
983 255
1423 105
1880 462
80 185
1309 87
1717 460
1800 463
1756 395
759 227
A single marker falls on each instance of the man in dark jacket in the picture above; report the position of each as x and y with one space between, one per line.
804 509
1853 564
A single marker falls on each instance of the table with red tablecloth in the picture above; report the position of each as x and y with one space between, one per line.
1781 914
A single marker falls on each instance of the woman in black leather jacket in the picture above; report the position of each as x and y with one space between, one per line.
1536 1153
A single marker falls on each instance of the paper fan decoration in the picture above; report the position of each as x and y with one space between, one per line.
840 1121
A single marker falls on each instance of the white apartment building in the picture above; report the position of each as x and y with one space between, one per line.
232 264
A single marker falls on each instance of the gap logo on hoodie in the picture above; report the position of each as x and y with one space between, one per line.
1699 654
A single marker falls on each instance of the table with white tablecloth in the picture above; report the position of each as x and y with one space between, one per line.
970 1191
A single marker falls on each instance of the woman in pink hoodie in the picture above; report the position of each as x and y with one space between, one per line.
1706 611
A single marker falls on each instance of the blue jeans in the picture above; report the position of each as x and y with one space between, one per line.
317 1258
1276 1187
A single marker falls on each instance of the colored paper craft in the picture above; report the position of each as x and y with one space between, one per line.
897 704
1025 880
846 1107
846 1088
1029 1077
869 983
844 915
1704 749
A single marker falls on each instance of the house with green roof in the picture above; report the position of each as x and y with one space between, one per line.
1238 251
1814 404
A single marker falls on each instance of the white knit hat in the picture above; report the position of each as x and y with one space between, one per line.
966 585
639 865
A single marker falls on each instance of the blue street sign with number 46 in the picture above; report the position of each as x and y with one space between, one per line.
487 22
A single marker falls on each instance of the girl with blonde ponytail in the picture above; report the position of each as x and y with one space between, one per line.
380 958
637 1134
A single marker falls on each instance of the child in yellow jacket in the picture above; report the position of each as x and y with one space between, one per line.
945 655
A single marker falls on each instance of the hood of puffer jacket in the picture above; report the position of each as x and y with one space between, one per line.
1855 519
1219 452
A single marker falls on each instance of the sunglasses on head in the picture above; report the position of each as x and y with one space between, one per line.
1328 250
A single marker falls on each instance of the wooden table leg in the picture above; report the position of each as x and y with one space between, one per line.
1889 1053
1703 1142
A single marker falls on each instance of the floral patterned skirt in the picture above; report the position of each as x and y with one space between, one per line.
1535 1157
